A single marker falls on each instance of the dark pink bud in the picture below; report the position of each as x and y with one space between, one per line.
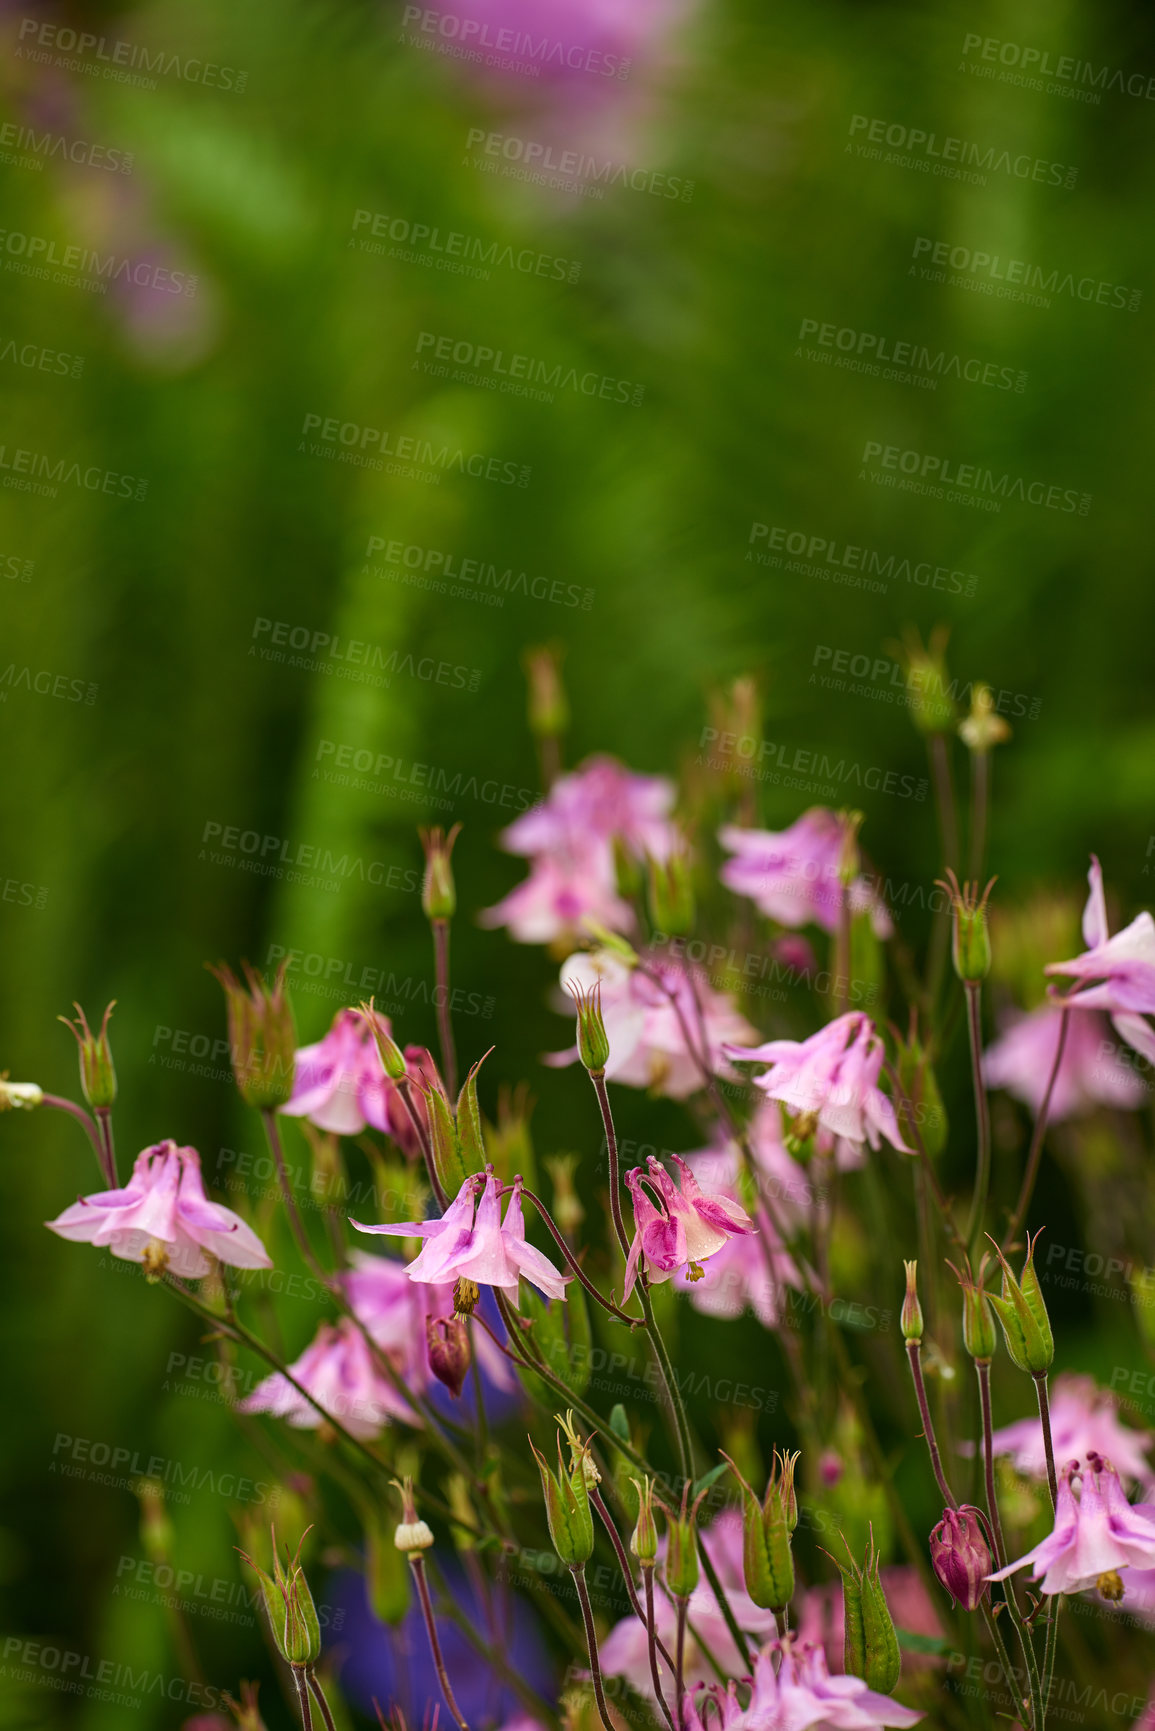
960 1557
448 1343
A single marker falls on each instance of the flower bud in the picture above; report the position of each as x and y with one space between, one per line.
983 728
911 1319
97 1073
19 1096
644 1540
593 1042
411 1535
245 1712
262 1040
292 1614
767 1559
978 1329
849 862
930 704
567 1509
438 893
1023 1316
870 1646
567 1208
548 707
682 1551
392 1057
671 894
920 1085
970 941
961 1557
447 1343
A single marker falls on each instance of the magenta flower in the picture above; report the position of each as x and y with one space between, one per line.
339 1370
961 1557
792 875
681 1230
646 1031
832 1078
470 1241
340 1084
1091 1074
1084 1422
1115 974
1094 1537
163 1219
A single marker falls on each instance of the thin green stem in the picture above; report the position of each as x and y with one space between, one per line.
104 1130
914 1355
1031 1171
980 804
652 1643
444 1014
405 1089
269 1119
680 1605
575 1265
598 1078
724 1604
579 1577
59 1104
319 1695
982 1116
681 1424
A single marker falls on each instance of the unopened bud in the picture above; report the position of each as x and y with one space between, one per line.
392 1057
547 705
961 1557
567 1509
767 1560
644 1539
682 1566
411 1535
262 1040
671 894
438 892
971 939
97 1072
978 1329
593 1042
911 1319
19 1096
447 1343
292 1614
984 727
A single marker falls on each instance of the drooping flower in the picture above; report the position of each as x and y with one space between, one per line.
163 1219
1084 1422
1115 974
646 1020
1090 1075
1095 1536
831 1079
684 1227
339 1370
961 1557
794 875
794 1691
471 1243
340 1083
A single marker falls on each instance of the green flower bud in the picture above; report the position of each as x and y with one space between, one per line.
567 1507
671 894
438 892
971 941
983 728
911 1319
920 1085
1023 1315
644 1540
870 1647
593 1042
391 1055
262 1040
548 708
97 1074
767 1559
289 1604
978 1329
682 1550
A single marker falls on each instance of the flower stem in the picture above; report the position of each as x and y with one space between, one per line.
652 1642
417 1564
982 1114
980 802
680 1660
631 1591
574 1264
983 1372
315 1685
598 1078
681 1424
913 1353
303 1698
724 1604
1048 1444
269 1119
579 1578
104 1130
444 1017
404 1088
1031 1171
107 1172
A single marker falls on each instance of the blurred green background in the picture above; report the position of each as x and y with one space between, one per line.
154 602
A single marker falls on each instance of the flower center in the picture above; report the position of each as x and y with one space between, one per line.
695 1271
465 1296
1110 1586
154 1259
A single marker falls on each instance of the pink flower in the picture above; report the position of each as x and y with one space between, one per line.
338 1369
1022 1060
1115 974
1084 1422
646 1031
471 1242
1094 1537
340 1083
832 1077
553 903
163 1218
792 875
750 1270
794 1691
684 1228
395 1310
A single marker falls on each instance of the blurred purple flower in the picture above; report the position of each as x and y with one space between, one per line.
1115 974
792 875
1091 1073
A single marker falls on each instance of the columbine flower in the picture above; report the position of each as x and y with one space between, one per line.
1115 974
684 1228
793 1689
340 1083
646 1031
794 875
831 1079
751 1270
163 1219
1094 1537
339 1370
1084 1422
961 1557
554 902
1090 1075
471 1243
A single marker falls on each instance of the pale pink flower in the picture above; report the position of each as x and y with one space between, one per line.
1115 974
1095 1536
163 1218
792 875
1084 1422
685 1227
470 1241
1022 1059
339 1370
559 896
647 1031
340 1084
832 1077
749 1270
794 1691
